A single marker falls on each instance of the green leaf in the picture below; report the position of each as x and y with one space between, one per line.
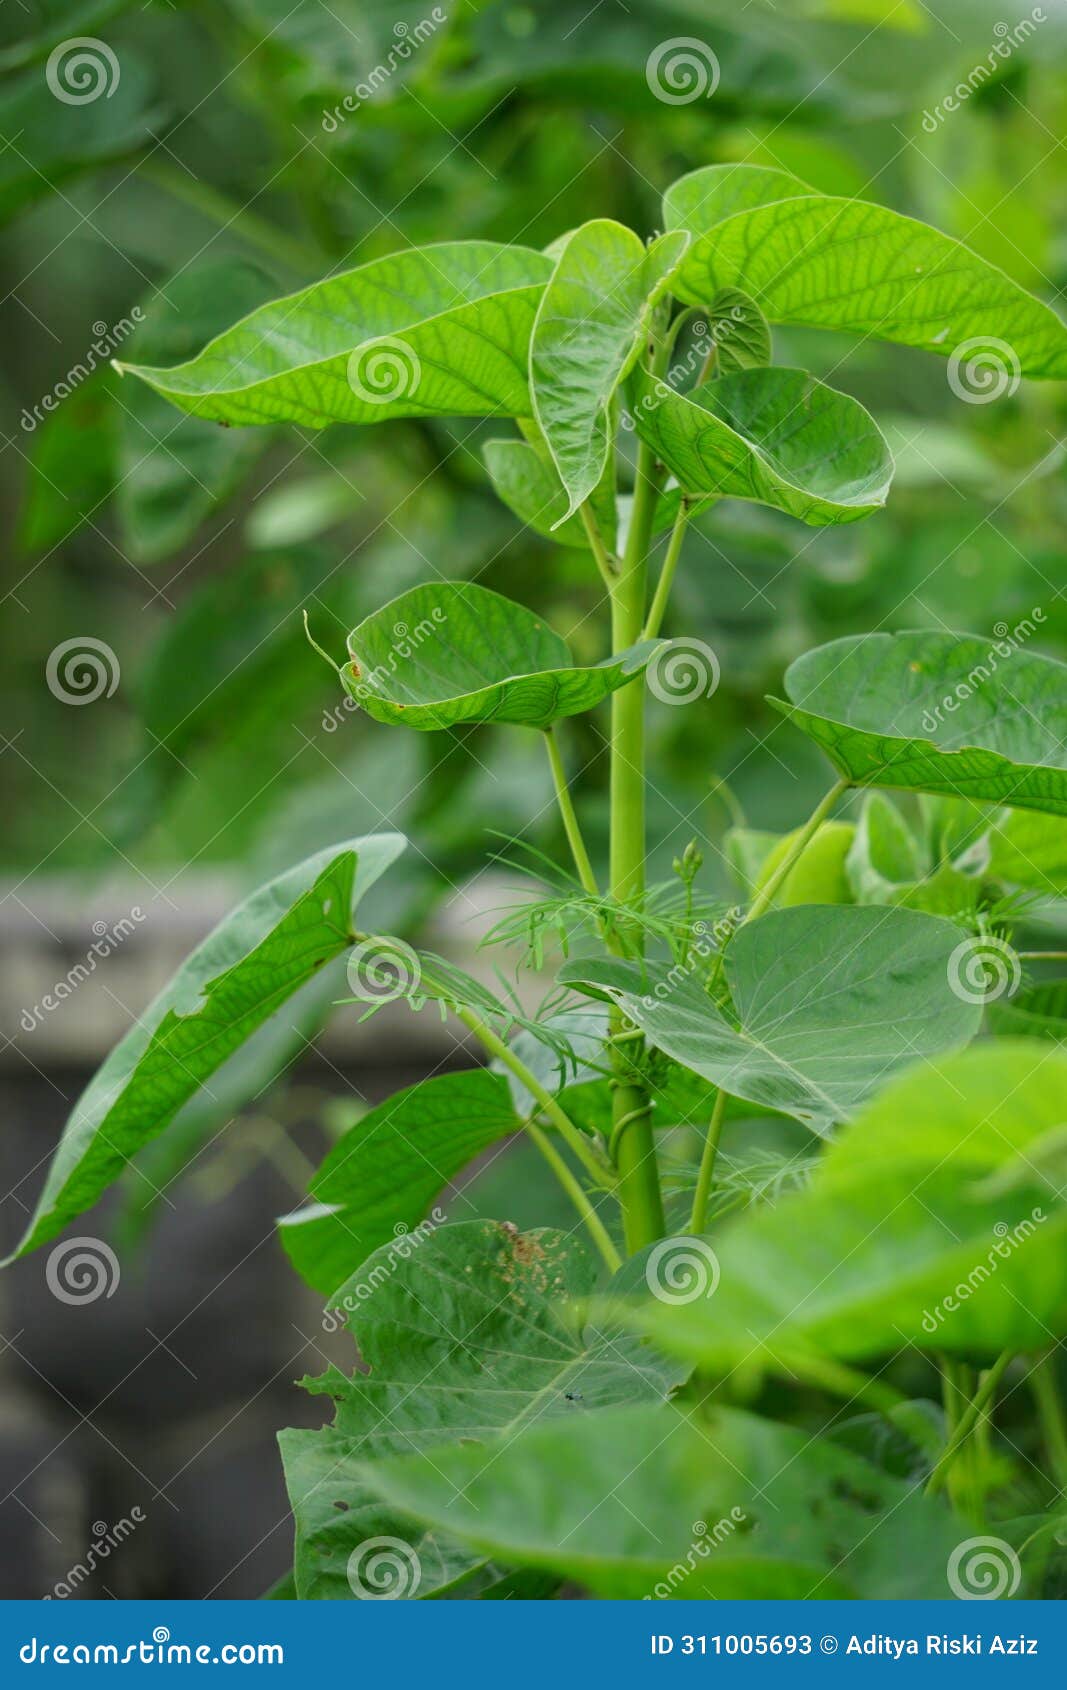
173 471
706 197
1030 850
1037 1012
645 1503
937 1219
591 323
826 1001
248 1076
775 436
433 331
470 1331
738 331
818 875
935 712
49 139
382 1176
529 485
846 264
253 961
886 866
441 655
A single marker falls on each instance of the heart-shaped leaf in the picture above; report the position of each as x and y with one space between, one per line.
255 959
775 436
469 1331
382 1176
826 1002
434 331
846 264
937 1219
441 655
644 1503
933 712
591 322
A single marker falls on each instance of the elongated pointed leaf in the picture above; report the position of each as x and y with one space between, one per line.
441 655
645 1503
382 1176
471 1331
435 331
529 485
937 1219
846 264
826 1002
775 436
253 961
591 322
931 712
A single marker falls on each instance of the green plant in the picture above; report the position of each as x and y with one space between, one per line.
538 1406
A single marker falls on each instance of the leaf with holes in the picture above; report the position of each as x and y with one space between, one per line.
471 1331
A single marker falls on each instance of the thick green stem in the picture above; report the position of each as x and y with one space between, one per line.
707 1164
570 820
765 897
639 1188
966 1422
666 575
